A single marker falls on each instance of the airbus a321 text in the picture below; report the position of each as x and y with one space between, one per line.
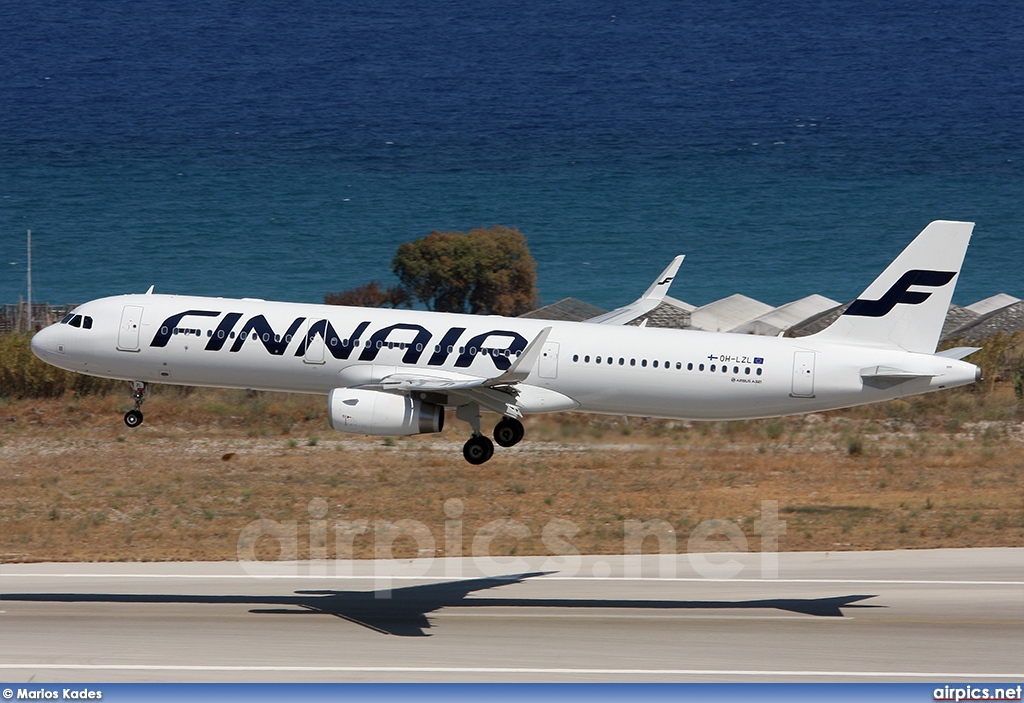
395 372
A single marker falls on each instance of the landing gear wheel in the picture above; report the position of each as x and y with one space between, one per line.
133 418
509 432
478 449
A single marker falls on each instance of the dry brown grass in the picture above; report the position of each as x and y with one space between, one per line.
76 484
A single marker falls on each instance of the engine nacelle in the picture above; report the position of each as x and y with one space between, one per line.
377 413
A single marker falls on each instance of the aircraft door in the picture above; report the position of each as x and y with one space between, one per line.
315 333
128 334
547 366
803 374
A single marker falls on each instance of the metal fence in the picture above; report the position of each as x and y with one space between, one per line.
14 317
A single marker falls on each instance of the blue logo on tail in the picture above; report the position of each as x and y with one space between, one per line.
900 293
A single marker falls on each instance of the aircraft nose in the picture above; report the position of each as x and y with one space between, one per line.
47 344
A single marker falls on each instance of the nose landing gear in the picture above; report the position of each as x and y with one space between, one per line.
133 418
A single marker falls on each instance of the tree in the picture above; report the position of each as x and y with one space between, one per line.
483 271
370 295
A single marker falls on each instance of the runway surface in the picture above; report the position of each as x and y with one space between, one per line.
937 615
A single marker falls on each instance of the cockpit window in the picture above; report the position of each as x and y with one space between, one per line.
83 321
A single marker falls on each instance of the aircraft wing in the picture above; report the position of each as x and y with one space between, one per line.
645 303
429 382
496 393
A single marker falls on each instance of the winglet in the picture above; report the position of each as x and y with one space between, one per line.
661 284
522 366
645 303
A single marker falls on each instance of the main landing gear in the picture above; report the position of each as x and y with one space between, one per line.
478 448
133 418
509 432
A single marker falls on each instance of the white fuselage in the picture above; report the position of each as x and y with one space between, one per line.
256 344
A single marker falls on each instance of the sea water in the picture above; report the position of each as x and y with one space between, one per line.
284 150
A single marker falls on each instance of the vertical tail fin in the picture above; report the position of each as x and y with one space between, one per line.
906 306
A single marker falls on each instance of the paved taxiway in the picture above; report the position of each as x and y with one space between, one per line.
937 615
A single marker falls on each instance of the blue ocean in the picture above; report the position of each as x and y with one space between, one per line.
285 149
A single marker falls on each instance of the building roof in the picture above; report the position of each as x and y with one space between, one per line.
956 318
681 304
799 318
567 310
666 314
780 319
1008 320
728 313
816 323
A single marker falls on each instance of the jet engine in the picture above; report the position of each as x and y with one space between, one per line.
377 413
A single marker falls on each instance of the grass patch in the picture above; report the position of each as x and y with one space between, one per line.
943 470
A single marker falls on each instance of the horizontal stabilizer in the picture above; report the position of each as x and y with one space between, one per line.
888 376
958 352
645 303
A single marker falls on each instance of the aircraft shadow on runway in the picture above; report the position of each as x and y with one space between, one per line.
404 611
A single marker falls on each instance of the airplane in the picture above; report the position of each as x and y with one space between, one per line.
392 372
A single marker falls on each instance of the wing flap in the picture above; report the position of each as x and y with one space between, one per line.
497 394
411 382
